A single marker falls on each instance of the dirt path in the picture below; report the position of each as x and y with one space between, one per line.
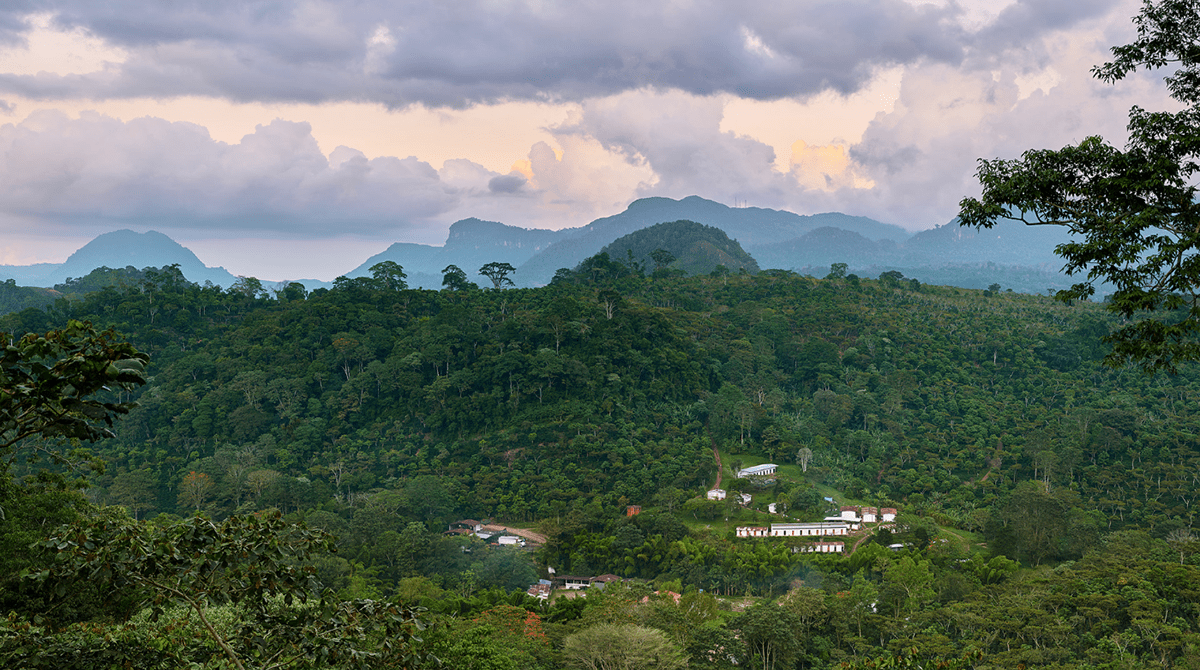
527 534
859 543
716 455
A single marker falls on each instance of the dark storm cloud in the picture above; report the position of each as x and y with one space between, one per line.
471 51
507 183
1022 20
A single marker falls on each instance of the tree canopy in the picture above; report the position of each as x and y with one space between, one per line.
1133 211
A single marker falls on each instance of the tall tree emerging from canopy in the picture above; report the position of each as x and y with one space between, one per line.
498 273
389 276
1134 211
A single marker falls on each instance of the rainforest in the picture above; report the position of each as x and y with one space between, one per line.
327 479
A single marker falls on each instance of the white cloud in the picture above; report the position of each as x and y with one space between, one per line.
96 168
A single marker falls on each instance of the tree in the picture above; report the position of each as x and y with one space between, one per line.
609 300
891 278
1183 541
908 584
662 258
837 271
498 273
769 632
622 647
292 291
259 563
455 279
803 458
195 489
60 386
389 276
1134 212
251 287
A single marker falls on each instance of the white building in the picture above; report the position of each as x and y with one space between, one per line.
888 514
716 494
812 529
758 470
823 548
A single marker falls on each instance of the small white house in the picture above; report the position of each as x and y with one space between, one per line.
716 494
508 540
888 514
870 515
823 548
745 498
758 470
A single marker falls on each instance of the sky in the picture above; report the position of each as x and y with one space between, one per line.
288 138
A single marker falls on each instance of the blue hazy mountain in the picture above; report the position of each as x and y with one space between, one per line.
538 253
470 244
119 249
749 226
1017 256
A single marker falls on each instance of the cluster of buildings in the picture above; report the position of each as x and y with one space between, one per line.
545 587
764 470
849 519
483 532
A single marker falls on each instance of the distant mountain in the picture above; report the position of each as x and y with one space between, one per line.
1022 255
1008 243
822 247
470 244
750 226
119 249
697 248
1012 254
776 239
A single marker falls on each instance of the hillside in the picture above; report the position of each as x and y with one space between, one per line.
698 249
489 389
1031 480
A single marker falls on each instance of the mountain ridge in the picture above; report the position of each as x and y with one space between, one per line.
774 238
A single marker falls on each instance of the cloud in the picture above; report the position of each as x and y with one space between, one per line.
922 157
652 82
824 167
478 51
96 168
673 139
508 183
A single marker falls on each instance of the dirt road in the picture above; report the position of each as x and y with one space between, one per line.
527 534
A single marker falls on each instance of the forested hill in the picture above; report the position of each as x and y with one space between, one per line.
690 247
524 403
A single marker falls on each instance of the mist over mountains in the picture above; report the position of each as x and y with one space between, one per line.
1016 256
